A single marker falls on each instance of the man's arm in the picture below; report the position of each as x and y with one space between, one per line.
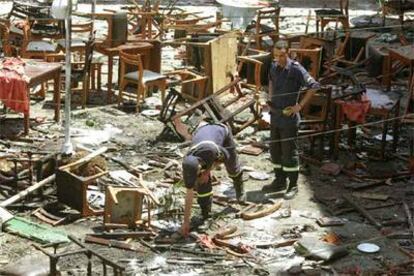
308 81
185 228
309 94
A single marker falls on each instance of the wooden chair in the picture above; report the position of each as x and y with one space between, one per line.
315 118
144 79
193 85
325 16
254 67
82 73
34 47
310 59
28 9
78 44
389 114
223 106
259 28
50 28
398 7
339 60
81 70
117 29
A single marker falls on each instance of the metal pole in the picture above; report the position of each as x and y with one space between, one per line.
67 146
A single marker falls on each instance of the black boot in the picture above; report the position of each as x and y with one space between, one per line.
239 187
292 189
278 184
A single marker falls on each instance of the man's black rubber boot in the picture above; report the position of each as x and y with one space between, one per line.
239 188
292 189
278 184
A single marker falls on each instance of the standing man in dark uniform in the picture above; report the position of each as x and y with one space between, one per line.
286 78
212 144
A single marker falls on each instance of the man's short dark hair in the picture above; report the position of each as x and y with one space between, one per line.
281 45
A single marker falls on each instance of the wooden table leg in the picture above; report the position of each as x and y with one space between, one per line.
396 127
386 77
110 67
337 127
26 116
388 73
56 95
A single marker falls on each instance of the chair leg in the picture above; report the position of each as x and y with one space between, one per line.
141 91
85 91
121 89
312 146
384 137
99 76
396 127
163 87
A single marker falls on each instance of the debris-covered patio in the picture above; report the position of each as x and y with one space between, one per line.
93 176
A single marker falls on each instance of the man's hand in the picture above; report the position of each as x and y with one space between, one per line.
185 229
292 110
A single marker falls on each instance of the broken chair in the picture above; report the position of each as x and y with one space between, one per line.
221 107
193 85
310 59
72 188
339 60
6 47
124 206
399 7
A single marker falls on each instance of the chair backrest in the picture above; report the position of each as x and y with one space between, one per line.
23 10
268 14
127 58
148 6
310 59
118 29
248 70
86 27
318 106
4 38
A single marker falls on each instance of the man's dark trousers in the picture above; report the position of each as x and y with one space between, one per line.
284 150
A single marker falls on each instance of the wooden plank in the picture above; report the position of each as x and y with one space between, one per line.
85 159
373 196
223 51
27 191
